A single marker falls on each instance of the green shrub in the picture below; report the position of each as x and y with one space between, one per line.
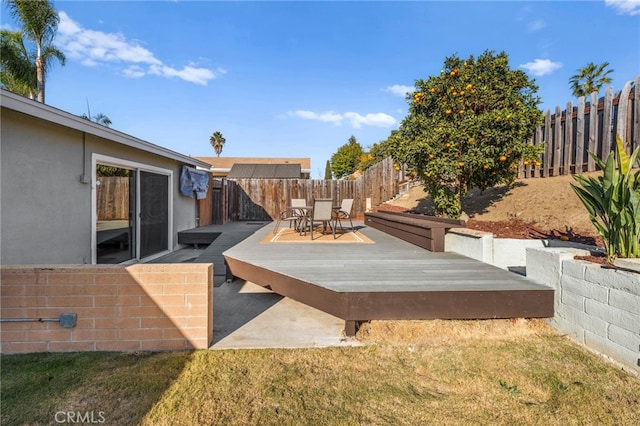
613 202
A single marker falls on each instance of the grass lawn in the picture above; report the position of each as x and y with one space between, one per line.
410 372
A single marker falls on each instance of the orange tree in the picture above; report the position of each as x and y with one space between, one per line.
468 127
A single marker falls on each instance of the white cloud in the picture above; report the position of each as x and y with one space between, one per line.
133 71
625 7
399 89
325 117
94 48
356 120
536 25
540 67
379 119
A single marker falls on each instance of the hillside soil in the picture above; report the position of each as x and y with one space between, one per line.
541 208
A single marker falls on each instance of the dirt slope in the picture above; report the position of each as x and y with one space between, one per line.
530 206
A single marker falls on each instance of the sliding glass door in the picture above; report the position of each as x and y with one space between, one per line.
132 211
154 213
115 206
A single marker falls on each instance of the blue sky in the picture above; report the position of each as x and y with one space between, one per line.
297 79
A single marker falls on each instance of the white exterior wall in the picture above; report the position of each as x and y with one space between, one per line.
45 209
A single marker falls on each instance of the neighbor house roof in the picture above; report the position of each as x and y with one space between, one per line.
266 171
46 112
223 165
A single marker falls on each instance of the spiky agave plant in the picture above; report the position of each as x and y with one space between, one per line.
613 202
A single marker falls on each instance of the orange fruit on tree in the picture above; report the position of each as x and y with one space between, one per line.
485 167
503 158
460 164
448 112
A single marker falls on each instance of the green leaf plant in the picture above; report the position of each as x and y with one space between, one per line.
613 202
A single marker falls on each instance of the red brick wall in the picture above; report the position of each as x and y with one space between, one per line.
119 308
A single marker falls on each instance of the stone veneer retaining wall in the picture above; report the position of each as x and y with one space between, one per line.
599 308
119 308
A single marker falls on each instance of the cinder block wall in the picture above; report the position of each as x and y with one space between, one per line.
119 308
599 308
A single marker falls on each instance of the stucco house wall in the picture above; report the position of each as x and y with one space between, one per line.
46 181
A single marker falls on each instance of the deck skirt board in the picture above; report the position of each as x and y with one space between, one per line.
390 279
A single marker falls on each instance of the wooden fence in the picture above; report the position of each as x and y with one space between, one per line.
112 198
567 135
591 126
264 199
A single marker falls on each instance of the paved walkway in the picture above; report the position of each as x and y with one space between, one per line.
248 316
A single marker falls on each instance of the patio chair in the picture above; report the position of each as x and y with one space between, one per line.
322 212
344 212
293 214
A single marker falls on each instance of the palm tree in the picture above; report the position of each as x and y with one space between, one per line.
17 66
217 142
590 79
99 118
39 23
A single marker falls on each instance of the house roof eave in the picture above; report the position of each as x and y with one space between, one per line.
54 115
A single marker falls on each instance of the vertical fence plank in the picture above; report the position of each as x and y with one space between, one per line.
623 115
538 139
580 135
593 131
635 131
557 142
604 146
548 148
567 140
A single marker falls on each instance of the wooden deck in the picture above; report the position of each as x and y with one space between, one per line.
391 279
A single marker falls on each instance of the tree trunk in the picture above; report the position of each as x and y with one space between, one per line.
40 75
